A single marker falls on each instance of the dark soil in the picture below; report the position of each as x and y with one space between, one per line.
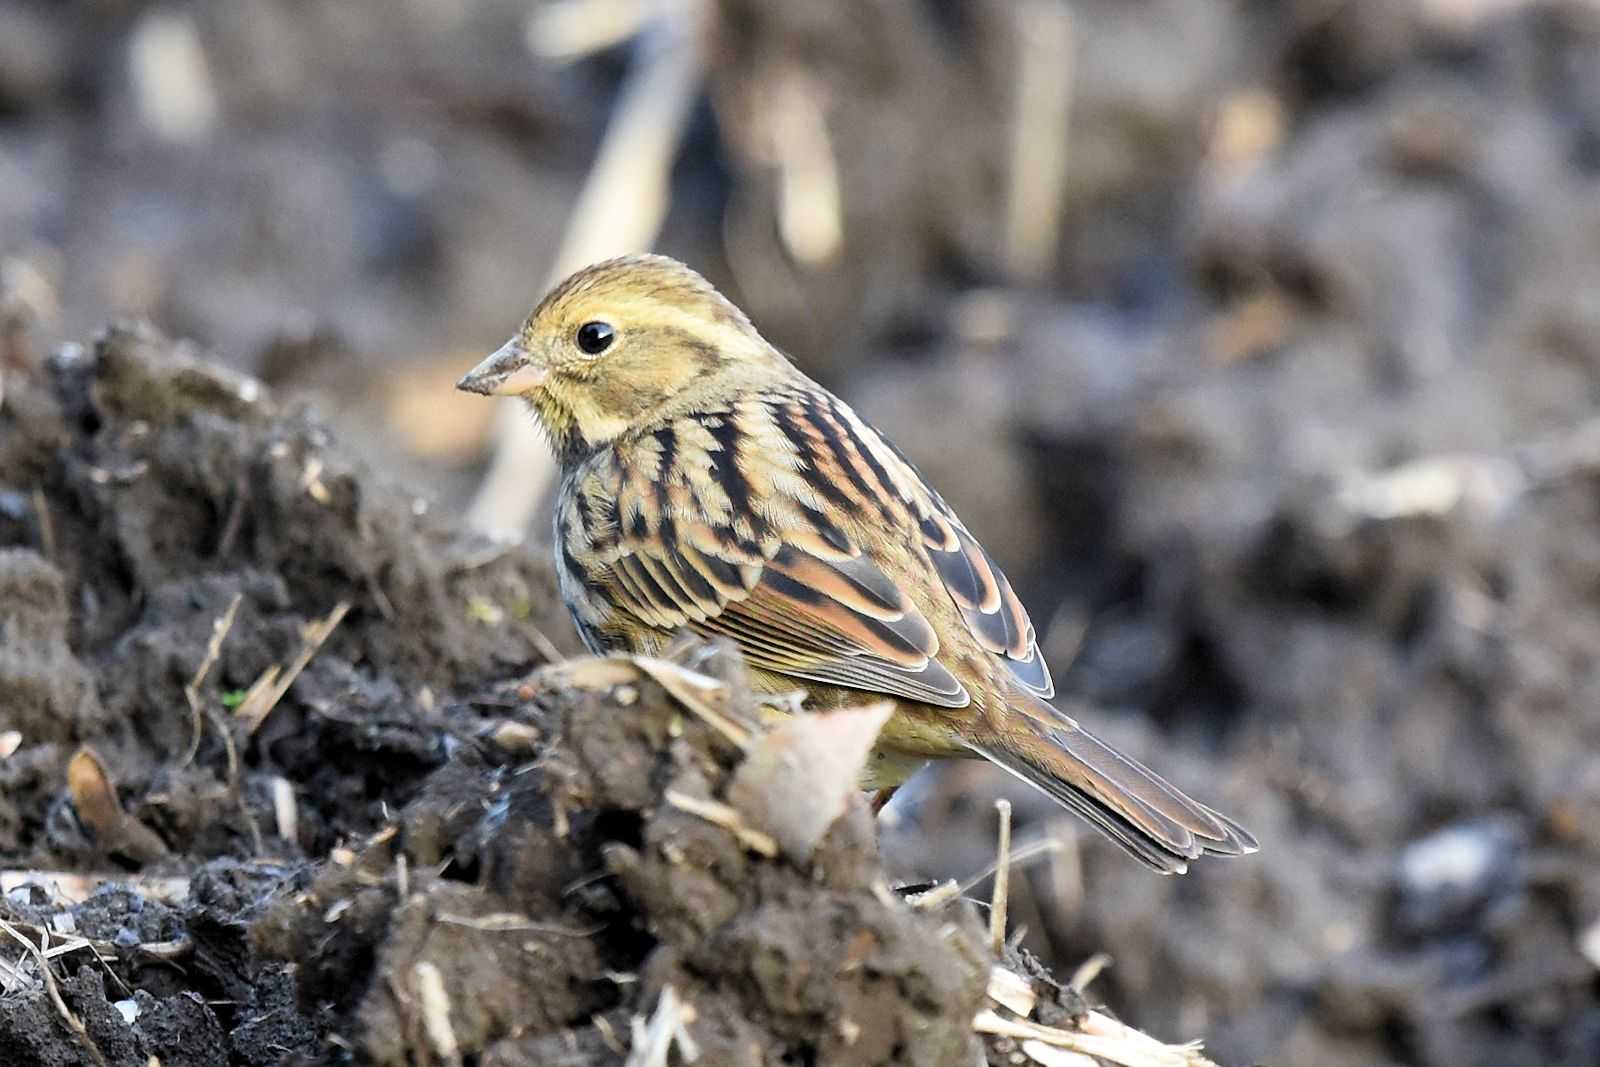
1291 455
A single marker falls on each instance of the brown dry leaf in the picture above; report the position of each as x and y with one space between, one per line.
798 778
94 794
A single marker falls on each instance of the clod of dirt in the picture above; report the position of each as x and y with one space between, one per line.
142 492
569 891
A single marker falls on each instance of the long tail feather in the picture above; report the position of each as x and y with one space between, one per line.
1129 803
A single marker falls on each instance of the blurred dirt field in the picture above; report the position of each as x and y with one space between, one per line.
1278 408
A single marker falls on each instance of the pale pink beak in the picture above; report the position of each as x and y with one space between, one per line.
508 372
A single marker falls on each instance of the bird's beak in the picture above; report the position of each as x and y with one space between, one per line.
509 372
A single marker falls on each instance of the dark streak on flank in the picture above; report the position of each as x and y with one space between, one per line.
666 532
598 515
798 592
572 564
695 584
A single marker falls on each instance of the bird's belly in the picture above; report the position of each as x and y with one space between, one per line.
889 767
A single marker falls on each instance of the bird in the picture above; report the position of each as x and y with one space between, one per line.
709 486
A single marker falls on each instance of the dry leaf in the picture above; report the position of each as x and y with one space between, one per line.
798 778
94 794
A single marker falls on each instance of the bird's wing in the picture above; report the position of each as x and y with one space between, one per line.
736 524
861 472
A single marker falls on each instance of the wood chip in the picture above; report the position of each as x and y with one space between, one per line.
1012 991
435 1002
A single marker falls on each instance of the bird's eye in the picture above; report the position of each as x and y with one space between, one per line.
595 337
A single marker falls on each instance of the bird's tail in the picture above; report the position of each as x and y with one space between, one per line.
1129 803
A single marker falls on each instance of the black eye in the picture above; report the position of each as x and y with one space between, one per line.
595 337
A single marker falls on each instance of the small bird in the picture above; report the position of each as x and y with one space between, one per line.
708 485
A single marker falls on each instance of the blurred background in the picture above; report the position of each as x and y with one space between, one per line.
1259 341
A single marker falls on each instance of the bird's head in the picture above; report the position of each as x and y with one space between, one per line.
616 345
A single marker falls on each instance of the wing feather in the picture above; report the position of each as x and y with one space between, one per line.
782 573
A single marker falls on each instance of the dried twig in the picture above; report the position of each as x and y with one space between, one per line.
1002 880
47 526
1100 1036
265 694
950 890
937 897
74 887
566 30
1088 971
435 1003
74 1023
285 809
1039 136
720 814
699 693
653 1042
1012 991
191 692
502 922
